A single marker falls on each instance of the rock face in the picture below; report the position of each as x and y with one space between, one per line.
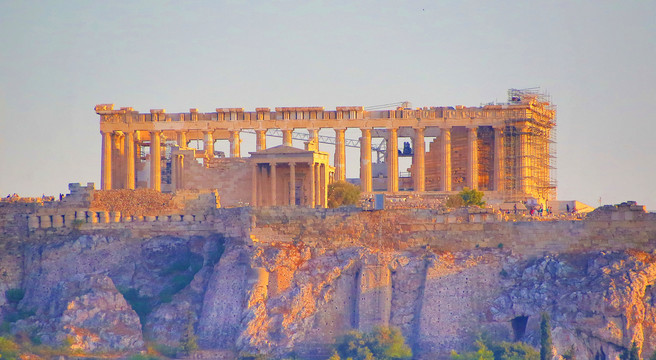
105 292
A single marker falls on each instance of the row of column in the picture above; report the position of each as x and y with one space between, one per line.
128 154
265 185
339 159
419 177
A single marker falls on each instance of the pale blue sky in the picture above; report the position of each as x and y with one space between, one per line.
60 58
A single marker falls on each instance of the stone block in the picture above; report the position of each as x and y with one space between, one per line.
57 220
33 222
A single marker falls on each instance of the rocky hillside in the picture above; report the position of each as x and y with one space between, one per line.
113 293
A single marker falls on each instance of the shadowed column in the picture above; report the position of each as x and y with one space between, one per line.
446 159
273 185
498 158
292 184
472 157
365 160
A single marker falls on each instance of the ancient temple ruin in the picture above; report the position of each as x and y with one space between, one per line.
506 150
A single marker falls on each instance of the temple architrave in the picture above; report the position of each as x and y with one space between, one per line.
505 150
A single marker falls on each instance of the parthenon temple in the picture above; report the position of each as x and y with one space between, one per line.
506 150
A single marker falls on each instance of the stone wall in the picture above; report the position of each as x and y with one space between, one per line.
230 176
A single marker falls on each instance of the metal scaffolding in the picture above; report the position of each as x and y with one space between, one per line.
530 147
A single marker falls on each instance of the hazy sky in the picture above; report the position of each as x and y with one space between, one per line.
597 59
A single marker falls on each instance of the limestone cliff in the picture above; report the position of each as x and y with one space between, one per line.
285 288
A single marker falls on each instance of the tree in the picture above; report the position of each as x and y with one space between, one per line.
188 342
342 193
630 354
483 353
383 343
546 345
466 197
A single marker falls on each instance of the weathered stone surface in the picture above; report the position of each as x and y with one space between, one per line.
97 317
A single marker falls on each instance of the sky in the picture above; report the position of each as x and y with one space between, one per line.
597 60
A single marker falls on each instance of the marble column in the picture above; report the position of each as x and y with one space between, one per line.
129 159
314 135
260 140
208 144
261 191
418 160
392 160
273 185
254 186
472 157
445 153
119 163
324 185
524 152
340 155
287 137
312 185
235 142
292 184
365 161
317 184
155 161
498 159
182 139
106 172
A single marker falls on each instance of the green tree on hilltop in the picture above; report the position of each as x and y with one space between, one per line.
466 197
342 193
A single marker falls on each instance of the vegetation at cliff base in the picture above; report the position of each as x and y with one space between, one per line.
383 343
466 197
489 350
342 193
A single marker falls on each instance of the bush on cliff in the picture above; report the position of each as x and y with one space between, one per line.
483 353
383 343
489 350
8 349
342 193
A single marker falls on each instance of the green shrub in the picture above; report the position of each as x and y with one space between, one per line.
14 296
165 350
342 193
8 349
483 353
143 357
383 343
